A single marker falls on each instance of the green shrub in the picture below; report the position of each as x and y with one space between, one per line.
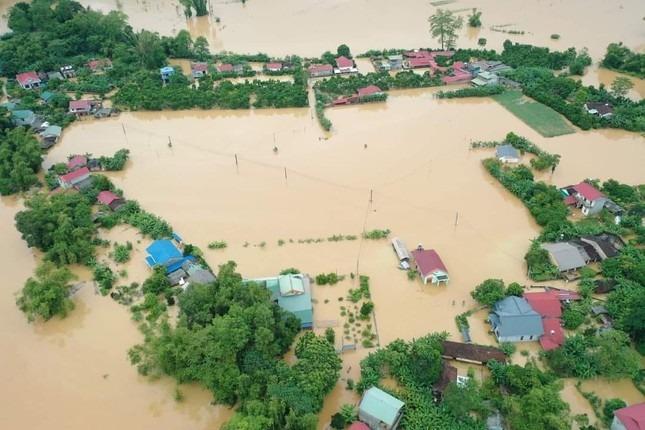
218 244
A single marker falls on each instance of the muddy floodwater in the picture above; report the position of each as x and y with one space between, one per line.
403 165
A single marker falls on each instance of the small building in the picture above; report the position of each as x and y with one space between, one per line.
94 164
600 109
358 426
197 70
588 198
459 74
402 253
320 70
293 294
108 198
607 245
163 252
395 62
604 286
507 154
274 67
55 75
99 65
379 410
75 178
225 68
28 80
47 96
369 90
629 418
82 107
547 304
564 255
429 265
50 136
68 71
166 72
105 112
76 162
24 117
485 78
344 65
419 62
514 320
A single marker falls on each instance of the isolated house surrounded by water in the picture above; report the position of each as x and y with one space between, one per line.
514 320
379 410
629 418
603 110
293 294
507 154
429 265
28 80
163 252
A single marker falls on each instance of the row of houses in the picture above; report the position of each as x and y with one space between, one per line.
31 79
534 317
201 69
344 65
361 95
574 254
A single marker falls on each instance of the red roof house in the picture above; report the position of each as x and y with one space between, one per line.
73 178
369 91
316 70
274 67
459 74
588 191
632 417
197 70
588 198
553 336
108 198
430 266
28 80
225 68
344 63
81 107
416 62
545 303
76 162
359 426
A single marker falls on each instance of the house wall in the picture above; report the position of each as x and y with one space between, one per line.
617 425
374 423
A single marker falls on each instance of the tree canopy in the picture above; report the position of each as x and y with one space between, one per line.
47 294
20 158
443 26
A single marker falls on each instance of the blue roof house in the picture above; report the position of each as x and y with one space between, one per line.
166 73
164 253
379 410
293 294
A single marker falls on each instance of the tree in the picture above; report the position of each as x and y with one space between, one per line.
474 20
330 335
621 86
514 289
444 25
343 50
610 407
200 49
47 294
489 292
20 159
149 50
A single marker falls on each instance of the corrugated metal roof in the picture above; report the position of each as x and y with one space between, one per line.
379 404
566 256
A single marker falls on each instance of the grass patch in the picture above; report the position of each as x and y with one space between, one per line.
539 117
442 2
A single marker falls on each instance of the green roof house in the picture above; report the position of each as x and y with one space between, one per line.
23 117
47 96
293 294
379 410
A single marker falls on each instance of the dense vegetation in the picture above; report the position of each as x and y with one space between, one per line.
344 86
230 338
47 294
621 58
20 158
485 91
568 97
491 291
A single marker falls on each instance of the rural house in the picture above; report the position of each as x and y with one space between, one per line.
108 198
28 80
68 71
507 154
395 62
23 117
565 256
166 72
606 245
344 65
225 68
320 70
274 67
379 410
629 418
547 304
514 320
50 136
485 78
588 198
369 90
470 353
163 252
429 265
78 178
197 70
603 110
76 162
293 294
82 107
47 96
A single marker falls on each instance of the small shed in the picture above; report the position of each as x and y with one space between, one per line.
401 252
380 410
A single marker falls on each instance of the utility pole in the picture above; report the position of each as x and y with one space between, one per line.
456 218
